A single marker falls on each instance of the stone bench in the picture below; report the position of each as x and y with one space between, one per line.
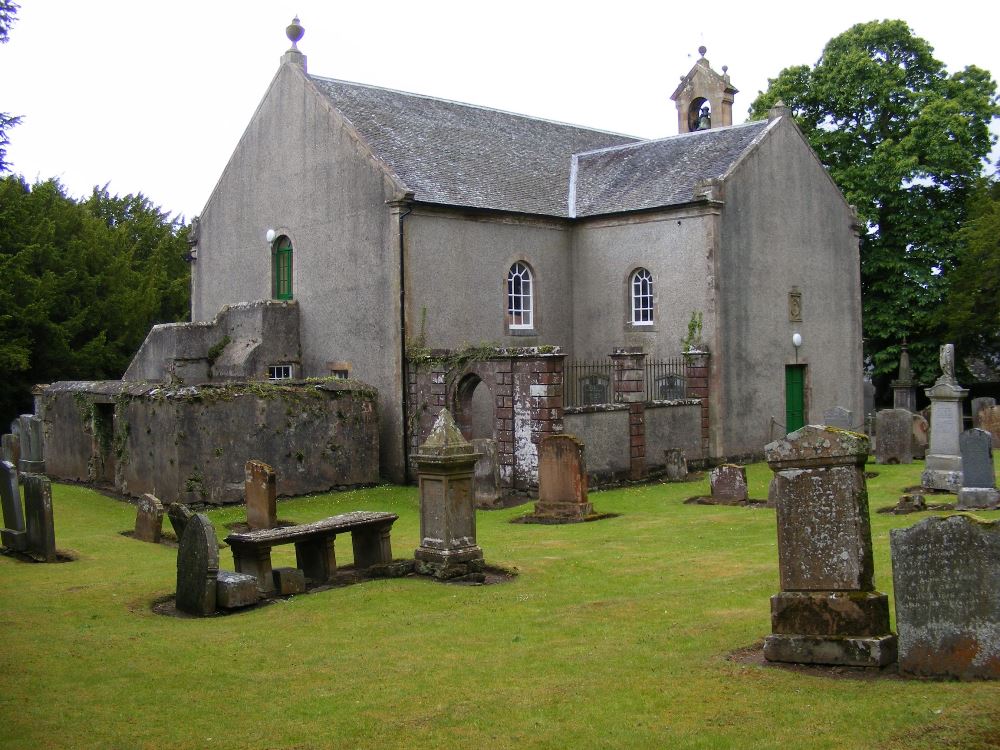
314 550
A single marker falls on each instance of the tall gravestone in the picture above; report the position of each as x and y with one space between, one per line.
827 611
837 416
487 473
445 468
148 519
943 465
32 446
979 405
904 393
979 486
38 518
197 567
946 580
562 479
989 420
894 437
10 449
261 489
13 535
868 391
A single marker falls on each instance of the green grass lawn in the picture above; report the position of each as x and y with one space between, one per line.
615 634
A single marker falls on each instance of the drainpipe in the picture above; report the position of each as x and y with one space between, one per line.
404 402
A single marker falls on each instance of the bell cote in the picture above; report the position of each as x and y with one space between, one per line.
704 98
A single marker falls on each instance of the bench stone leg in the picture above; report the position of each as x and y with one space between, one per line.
316 558
255 561
371 546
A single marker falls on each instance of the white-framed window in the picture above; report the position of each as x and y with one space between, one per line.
279 372
641 286
519 297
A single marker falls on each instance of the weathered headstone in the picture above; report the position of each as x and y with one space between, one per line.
980 405
235 590
827 611
989 420
979 485
946 577
197 567
179 515
729 484
562 479
38 517
261 488
921 436
894 437
10 449
675 464
31 441
837 416
943 465
445 466
868 389
13 535
904 394
487 473
148 519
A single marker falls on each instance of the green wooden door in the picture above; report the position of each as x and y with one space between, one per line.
795 397
283 269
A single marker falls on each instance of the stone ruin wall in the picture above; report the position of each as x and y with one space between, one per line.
190 444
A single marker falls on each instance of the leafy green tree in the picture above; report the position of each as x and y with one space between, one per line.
971 315
906 142
8 10
81 282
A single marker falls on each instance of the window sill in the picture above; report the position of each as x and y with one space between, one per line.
640 328
522 332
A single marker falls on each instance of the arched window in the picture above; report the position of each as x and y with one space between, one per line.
519 296
282 272
641 285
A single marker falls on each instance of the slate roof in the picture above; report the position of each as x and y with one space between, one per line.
464 155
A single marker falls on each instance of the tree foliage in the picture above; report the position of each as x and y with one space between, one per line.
906 143
8 10
81 282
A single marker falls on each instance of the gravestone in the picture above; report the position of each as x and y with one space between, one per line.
675 465
197 567
946 576
989 420
487 474
837 416
894 437
869 397
980 405
10 449
261 489
13 535
41 528
827 611
943 465
562 479
921 437
179 515
979 486
729 484
445 468
148 519
904 394
31 442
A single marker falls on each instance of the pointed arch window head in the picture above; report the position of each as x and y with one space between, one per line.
641 285
282 271
520 300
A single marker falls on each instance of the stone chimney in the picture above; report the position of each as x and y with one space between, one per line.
294 31
704 98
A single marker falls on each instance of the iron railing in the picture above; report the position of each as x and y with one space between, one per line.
588 383
666 379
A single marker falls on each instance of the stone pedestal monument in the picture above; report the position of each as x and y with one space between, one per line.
943 467
445 466
904 394
827 611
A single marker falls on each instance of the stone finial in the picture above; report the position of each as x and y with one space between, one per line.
294 31
702 50
445 439
780 109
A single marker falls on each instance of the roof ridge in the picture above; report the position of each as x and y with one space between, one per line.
521 115
647 141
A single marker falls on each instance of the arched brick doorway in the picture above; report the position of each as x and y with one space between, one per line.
474 408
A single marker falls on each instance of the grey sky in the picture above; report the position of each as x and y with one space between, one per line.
153 97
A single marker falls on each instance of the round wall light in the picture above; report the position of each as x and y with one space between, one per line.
270 235
796 340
